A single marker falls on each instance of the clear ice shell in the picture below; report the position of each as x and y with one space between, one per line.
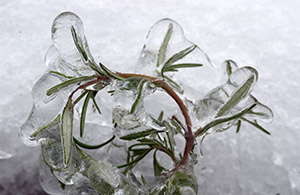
148 61
123 99
52 154
206 109
104 177
48 182
64 42
45 108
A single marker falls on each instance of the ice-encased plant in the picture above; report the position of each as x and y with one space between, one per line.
106 132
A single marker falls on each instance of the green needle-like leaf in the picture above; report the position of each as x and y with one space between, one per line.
184 65
47 126
83 112
111 74
138 98
67 83
161 116
158 169
257 126
91 147
66 131
174 85
179 55
140 157
237 96
238 126
138 135
163 48
94 101
60 74
223 120
80 97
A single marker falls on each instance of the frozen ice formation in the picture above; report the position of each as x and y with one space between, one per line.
71 114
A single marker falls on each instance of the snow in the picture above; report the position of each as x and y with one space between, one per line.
260 33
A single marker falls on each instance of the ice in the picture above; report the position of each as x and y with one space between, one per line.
49 183
129 114
52 154
65 28
104 177
43 110
263 34
82 188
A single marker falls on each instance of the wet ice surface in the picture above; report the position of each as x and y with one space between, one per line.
263 34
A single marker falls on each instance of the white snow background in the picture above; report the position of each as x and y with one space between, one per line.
264 34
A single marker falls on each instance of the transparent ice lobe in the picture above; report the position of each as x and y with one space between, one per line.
48 181
169 33
45 108
227 99
52 154
259 112
128 94
67 28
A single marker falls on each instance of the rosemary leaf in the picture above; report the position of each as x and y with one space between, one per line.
237 96
179 56
67 83
163 48
111 74
91 147
60 74
83 112
161 116
238 126
66 131
47 126
158 169
138 98
183 65
257 126
94 101
138 135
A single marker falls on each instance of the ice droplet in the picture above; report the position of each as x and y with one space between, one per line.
64 41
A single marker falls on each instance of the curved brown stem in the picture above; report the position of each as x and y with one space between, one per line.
189 137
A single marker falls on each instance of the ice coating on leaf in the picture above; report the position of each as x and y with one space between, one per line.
82 188
260 112
104 177
65 28
43 110
52 154
128 109
227 99
48 182
165 39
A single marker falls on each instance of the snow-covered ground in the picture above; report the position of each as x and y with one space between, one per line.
262 33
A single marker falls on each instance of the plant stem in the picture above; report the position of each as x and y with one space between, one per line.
189 136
